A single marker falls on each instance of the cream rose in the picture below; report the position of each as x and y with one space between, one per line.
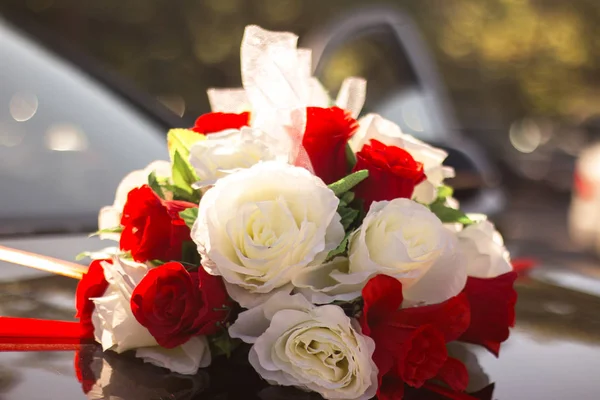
483 246
225 152
314 348
261 226
116 329
404 239
324 283
376 127
110 216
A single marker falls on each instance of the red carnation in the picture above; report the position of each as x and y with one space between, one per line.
325 138
152 228
174 304
410 344
217 121
492 310
92 284
393 173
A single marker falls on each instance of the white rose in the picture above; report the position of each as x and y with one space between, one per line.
323 284
110 216
404 239
261 226
225 152
314 348
483 246
374 126
184 359
117 329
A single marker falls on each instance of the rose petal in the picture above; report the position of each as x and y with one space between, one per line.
185 359
454 374
445 279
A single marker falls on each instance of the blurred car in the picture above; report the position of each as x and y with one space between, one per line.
404 86
66 141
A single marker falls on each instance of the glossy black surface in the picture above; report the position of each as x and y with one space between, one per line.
553 353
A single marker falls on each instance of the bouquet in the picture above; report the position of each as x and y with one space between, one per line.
327 243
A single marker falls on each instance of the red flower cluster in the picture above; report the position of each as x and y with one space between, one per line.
492 310
393 173
327 133
152 228
92 285
174 304
216 122
410 343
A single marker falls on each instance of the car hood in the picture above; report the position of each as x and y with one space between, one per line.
553 351
63 247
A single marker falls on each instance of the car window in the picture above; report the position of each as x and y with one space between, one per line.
393 89
65 141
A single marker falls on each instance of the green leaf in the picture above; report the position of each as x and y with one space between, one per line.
345 184
222 344
157 263
83 255
351 308
341 250
184 176
154 185
346 198
189 254
180 194
444 192
449 215
348 215
181 140
116 229
189 215
350 157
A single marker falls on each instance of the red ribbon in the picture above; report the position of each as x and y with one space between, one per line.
29 334
522 265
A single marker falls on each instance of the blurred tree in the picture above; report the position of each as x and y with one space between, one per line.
501 59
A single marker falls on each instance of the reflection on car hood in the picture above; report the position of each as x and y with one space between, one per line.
553 353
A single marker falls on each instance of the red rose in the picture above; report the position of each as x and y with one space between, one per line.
325 138
174 304
492 310
422 351
152 228
84 357
217 122
410 344
393 173
434 391
92 284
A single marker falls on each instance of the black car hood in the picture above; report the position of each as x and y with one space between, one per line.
553 352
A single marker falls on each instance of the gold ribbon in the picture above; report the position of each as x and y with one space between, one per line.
43 263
